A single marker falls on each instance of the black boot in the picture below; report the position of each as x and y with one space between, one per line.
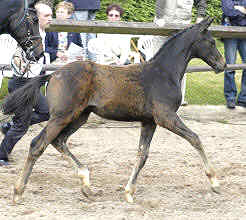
5 127
4 163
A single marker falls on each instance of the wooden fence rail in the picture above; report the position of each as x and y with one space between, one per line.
138 28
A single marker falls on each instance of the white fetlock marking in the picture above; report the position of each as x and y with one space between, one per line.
84 174
129 198
215 182
129 191
128 188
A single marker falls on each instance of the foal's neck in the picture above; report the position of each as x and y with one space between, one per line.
173 58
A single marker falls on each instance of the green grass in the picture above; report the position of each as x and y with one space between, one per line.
4 89
207 88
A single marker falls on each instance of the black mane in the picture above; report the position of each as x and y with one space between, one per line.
169 39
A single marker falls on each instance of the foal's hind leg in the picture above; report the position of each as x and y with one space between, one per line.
59 143
38 146
147 132
173 123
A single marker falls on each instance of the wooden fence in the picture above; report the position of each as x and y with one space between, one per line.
140 28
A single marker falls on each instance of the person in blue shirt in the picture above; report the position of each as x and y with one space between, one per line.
85 10
234 14
57 43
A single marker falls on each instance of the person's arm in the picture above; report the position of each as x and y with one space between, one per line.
241 7
51 46
228 8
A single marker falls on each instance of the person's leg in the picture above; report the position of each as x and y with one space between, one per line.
41 110
83 16
242 95
230 89
20 124
14 134
91 16
86 15
13 84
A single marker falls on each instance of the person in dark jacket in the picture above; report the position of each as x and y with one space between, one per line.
57 43
85 10
234 14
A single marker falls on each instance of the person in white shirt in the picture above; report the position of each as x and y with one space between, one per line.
113 48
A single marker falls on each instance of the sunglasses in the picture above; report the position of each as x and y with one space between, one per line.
114 15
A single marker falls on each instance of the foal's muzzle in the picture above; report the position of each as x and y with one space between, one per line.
220 66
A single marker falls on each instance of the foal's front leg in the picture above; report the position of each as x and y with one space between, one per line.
172 122
147 132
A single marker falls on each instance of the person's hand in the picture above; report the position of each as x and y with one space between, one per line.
160 22
199 19
62 56
240 8
79 58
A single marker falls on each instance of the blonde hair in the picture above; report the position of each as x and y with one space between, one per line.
67 5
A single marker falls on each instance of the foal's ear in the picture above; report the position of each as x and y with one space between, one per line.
204 24
31 3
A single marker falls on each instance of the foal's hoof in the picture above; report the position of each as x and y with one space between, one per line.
91 194
17 197
129 197
215 185
216 189
129 192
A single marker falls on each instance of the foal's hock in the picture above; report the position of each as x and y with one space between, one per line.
149 93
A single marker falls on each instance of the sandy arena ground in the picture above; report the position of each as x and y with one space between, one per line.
172 185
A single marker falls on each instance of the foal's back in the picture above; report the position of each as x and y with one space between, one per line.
118 92
113 92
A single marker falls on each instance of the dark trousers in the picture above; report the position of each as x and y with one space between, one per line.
23 120
230 88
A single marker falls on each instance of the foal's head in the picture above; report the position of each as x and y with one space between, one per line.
204 47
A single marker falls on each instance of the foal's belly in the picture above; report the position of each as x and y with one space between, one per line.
121 112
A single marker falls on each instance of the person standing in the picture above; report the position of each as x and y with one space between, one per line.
16 129
57 43
114 49
86 10
234 14
177 12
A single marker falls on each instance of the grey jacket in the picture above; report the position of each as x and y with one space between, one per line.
179 11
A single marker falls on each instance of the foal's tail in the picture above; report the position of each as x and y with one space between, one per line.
24 97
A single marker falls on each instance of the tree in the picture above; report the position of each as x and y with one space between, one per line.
144 10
